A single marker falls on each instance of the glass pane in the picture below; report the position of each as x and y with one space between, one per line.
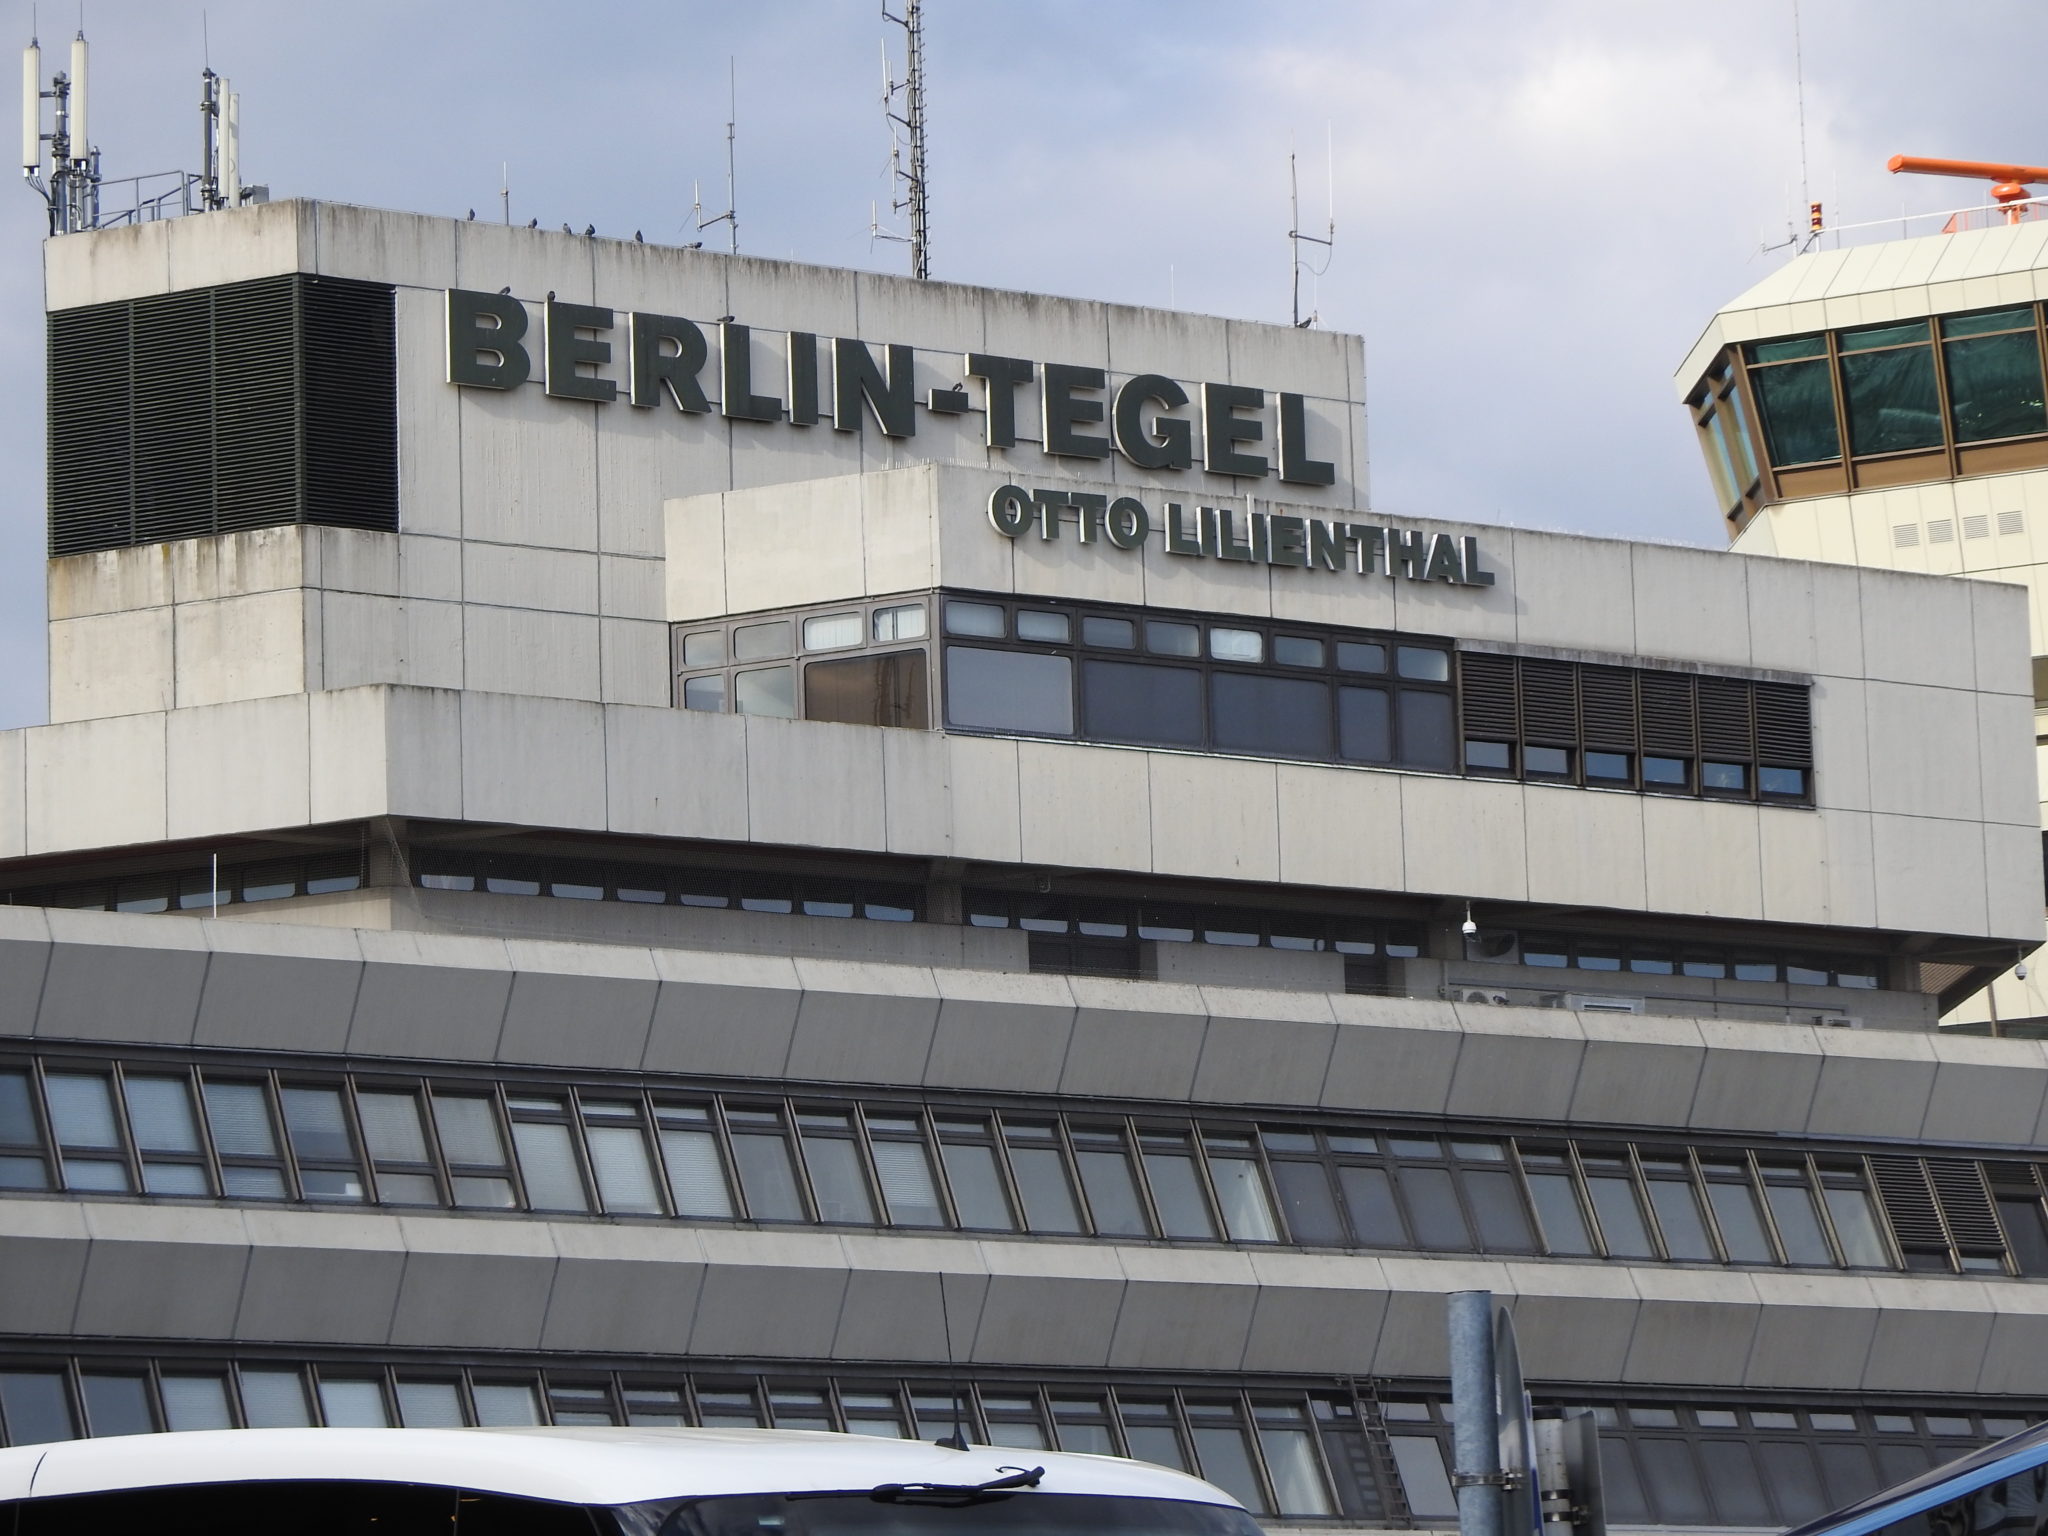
705 648
1042 628
1798 1224
1558 1210
765 691
1127 701
1042 1181
831 631
118 1405
1177 1194
429 1405
1009 691
1674 1482
1288 716
1424 664
1856 1227
36 1407
1297 651
1427 740
982 619
1621 1219
768 1178
548 1164
314 1121
1783 781
1306 1200
908 1189
1798 408
503 1402
1984 322
1678 1213
1369 1195
757 642
1296 1472
1433 1208
705 693
1789 1470
1848 1471
837 1181
1890 400
1163 637
625 1178
1365 728
196 1402
1357 656
353 1405
391 1126
1241 1193
1227 1462
174 1179
1111 634
884 690
1994 386
1779 351
1869 337
17 1117
160 1114
1738 1490
1497 1211
1112 1196
1742 1227
274 1400
1607 766
468 1128
977 1187
1156 1443
1424 1478
694 1175
84 1173
1245 645
252 1183
81 1110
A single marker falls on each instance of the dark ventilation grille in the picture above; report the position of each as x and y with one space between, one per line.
1607 700
1909 1203
1966 1203
245 406
1784 725
1667 718
1488 684
1725 726
1550 703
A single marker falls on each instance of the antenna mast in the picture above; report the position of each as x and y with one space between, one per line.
73 188
910 180
731 216
1296 239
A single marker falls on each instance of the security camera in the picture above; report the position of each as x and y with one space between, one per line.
2020 970
1469 928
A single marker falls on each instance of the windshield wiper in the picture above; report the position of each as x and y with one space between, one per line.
964 1493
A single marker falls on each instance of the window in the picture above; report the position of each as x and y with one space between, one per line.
886 689
765 691
1009 691
1796 398
1993 363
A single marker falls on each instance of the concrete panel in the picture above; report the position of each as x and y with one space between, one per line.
1000 1030
1794 845
451 1262
257 241
1756 1077
1929 879
1926 760
538 762
621 1289
1265 1047
512 576
774 1294
1584 849
1194 347
522 650
241 647
1546 566
675 773
110 664
917 793
432 996
105 265
1392 1055
1134 1039
330 1277
1781 615
1841 743
2006 758
1683 602
1084 807
1315 1312
1702 858
1339 828
1813 1333
430 449
987 824
528 462
1183 1310
2019 1332
632 588
279 988
1911 628
2011 881
1218 819
814 785
1998 626
1637 1071
820 516
89 783
1692 1326
158 1272
862 1023
1987 1091
578 1004
236 767
1872 1083
1464 837
1518 1062
43 1246
1932 1335
119 976
723 1013
108 581
1851 868
1412 1337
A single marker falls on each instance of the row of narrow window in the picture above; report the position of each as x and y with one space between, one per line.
1317 1452
138 1128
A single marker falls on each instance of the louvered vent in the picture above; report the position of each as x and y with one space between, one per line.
1487 684
1607 704
1726 729
1909 1203
1667 715
1966 1203
244 406
2012 522
1550 703
1784 725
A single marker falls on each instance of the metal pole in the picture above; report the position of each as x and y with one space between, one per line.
1476 1433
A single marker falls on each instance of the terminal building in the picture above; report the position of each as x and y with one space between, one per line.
628 835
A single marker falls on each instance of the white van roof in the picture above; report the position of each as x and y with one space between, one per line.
570 1465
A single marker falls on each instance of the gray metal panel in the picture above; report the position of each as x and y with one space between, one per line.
122 990
578 1021
731 1014
1377 1062
862 1024
43 1247
623 1290
277 1002
480 1299
411 1006
307 1280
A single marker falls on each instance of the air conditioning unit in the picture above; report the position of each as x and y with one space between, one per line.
1480 995
1603 1002
1837 1021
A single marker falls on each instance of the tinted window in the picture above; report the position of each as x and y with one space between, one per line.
1426 735
869 690
1009 691
1365 731
1126 701
1285 715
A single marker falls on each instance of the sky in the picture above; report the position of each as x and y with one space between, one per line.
1538 205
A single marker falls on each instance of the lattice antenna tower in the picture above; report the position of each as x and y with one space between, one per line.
731 217
1296 239
909 187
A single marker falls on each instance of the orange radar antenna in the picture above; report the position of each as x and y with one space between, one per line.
2009 182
